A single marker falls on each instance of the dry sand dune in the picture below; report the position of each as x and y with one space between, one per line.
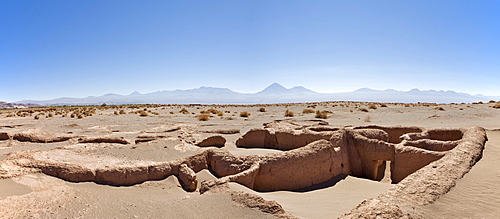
106 137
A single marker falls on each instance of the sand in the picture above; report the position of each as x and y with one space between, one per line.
42 196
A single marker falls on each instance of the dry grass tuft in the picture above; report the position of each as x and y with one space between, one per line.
368 119
439 108
383 105
363 110
321 114
244 114
288 113
143 113
262 110
306 111
497 106
184 111
203 117
372 106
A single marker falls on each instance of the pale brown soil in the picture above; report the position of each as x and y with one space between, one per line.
41 196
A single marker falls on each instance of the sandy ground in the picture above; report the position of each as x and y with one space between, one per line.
41 196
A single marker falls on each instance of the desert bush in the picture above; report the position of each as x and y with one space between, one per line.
321 114
497 106
306 111
288 113
492 101
220 113
80 116
368 119
116 112
439 108
184 111
37 117
383 105
372 106
203 117
122 112
171 112
244 114
363 109
143 113
262 110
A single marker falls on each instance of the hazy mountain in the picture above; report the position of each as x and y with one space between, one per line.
5 105
275 93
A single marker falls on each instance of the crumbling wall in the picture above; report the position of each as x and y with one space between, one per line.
315 163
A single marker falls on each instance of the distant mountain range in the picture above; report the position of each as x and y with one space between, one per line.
275 93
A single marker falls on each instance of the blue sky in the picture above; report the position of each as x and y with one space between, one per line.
51 49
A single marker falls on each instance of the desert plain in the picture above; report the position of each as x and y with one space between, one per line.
64 162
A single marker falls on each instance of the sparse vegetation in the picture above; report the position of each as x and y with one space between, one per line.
383 105
244 114
184 111
497 106
367 119
321 114
372 106
439 108
306 111
143 113
203 117
262 109
288 113
363 109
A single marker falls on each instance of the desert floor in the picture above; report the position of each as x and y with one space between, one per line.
42 196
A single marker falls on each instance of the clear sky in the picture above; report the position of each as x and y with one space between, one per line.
51 49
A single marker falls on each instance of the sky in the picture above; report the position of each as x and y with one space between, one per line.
58 48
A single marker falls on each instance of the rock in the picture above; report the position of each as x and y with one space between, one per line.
212 141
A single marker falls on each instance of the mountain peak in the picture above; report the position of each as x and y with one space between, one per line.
274 88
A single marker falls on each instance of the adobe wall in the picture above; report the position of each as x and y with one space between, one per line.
425 163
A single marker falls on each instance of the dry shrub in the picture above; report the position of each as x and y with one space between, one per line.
184 111
383 105
220 113
229 118
321 114
306 111
439 108
116 113
363 109
497 106
171 112
37 117
368 119
203 117
244 114
288 113
372 106
122 112
143 113
262 110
